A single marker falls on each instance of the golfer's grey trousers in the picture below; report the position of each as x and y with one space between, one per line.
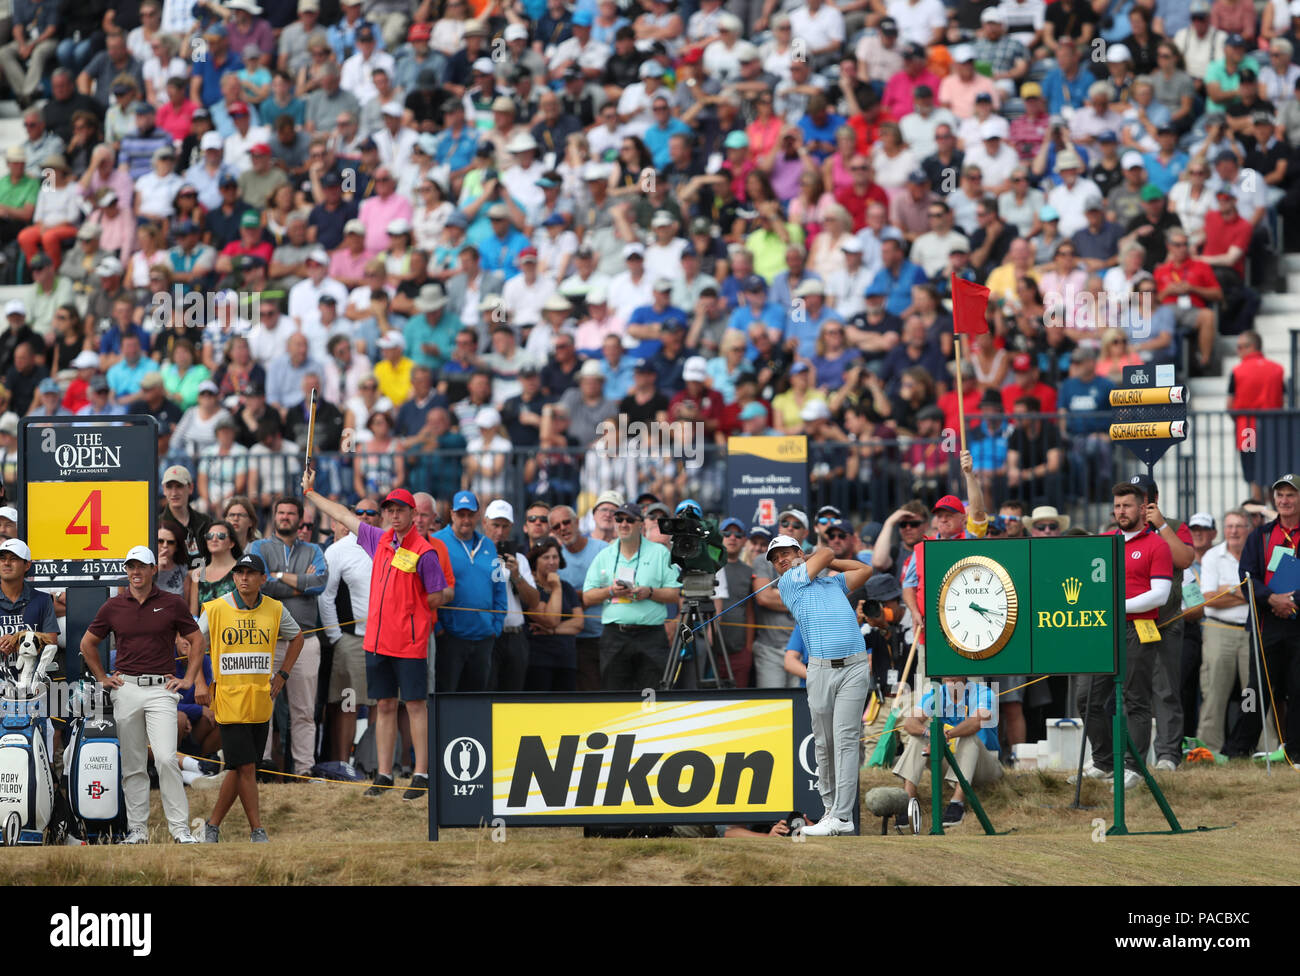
837 697
1166 702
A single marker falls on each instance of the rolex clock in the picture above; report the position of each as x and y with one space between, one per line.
977 607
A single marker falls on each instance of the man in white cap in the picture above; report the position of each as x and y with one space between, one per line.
838 669
631 289
510 652
145 622
178 485
1070 196
304 297
8 522
520 179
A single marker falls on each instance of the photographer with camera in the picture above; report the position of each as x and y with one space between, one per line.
631 580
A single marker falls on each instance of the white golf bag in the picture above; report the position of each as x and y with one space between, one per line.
27 791
92 770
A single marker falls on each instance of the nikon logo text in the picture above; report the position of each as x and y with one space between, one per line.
1067 619
630 774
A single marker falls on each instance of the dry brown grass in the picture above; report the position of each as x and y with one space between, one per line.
331 834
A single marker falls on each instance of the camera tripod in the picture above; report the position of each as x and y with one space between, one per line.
687 663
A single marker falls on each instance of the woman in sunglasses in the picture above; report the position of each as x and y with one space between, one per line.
173 559
216 577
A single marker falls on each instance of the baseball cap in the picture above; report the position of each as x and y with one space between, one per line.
1031 89
1022 362
752 410
761 531
399 496
464 501
1047 212
1292 480
1201 520
696 369
251 560
782 542
354 226
884 586
1107 135
730 523
610 497
814 410
98 384
236 108
1148 485
48 385
17 547
1235 40
1151 192
178 473
801 515
90 360
888 26
138 554
1132 160
631 510
950 503
15 306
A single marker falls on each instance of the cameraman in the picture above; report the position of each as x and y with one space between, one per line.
880 607
631 580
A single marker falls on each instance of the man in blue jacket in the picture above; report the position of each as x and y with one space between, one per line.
464 658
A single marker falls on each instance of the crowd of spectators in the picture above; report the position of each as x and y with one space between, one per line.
490 236
480 231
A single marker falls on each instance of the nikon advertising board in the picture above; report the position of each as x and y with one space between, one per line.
1023 606
681 757
765 476
87 493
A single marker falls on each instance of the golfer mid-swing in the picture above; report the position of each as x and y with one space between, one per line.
839 669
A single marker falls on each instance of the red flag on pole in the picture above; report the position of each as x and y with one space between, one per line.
970 304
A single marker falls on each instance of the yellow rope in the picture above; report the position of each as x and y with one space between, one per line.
319 779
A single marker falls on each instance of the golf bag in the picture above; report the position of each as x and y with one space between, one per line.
26 781
92 769
27 793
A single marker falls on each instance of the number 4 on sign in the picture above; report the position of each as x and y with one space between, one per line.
95 527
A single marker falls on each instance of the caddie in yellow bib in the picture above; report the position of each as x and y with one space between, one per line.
243 628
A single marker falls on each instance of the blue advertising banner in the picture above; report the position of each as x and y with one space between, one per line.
766 475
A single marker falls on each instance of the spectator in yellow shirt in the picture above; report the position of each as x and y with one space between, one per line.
393 371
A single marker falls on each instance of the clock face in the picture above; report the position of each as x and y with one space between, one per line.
977 607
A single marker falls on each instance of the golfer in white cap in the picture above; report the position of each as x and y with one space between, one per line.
839 669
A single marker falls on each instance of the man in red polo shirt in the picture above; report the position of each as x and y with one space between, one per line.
250 243
1190 287
1026 382
1148 574
1227 233
1227 241
1256 384
406 585
144 689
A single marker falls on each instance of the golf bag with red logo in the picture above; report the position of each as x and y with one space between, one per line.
92 769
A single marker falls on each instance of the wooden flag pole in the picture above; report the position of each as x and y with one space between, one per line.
311 428
961 402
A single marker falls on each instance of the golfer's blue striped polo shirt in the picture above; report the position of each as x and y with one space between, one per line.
828 624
